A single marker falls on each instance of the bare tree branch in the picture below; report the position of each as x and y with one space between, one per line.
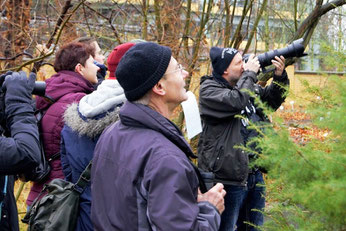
38 61
306 29
109 20
16 56
63 13
259 16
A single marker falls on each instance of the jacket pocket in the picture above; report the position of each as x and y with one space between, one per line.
206 157
232 165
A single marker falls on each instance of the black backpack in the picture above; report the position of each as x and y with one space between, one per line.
41 172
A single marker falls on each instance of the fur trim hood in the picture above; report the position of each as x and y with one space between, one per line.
88 127
97 110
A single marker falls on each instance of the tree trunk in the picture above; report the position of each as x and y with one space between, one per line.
157 10
185 38
145 6
253 31
196 49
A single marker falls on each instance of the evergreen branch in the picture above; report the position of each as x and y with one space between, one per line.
306 160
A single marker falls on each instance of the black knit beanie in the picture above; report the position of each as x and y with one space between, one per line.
221 58
142 66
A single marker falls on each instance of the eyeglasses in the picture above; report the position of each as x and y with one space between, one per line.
180 68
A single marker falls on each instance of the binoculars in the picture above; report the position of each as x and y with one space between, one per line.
39 88
295 49
208 178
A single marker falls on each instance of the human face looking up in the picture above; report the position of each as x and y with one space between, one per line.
99 57
234 71
173 82
89 70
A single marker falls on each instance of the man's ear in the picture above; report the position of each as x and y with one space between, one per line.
78 68
159 88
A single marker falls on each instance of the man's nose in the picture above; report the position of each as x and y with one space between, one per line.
185 74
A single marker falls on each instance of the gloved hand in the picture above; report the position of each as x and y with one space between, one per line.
19 87
103 69
3 76
2 101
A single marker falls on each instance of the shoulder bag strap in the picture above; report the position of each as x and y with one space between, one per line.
84 179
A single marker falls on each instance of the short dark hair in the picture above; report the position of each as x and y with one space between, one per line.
89 41
69 55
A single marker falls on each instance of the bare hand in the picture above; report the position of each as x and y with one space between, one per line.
279 64
252 64
214 196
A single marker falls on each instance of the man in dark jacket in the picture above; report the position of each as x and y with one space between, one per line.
20 150
142 177
227 110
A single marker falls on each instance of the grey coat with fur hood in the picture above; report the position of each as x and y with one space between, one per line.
84 123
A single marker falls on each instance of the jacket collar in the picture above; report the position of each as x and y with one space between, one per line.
218 78
138 115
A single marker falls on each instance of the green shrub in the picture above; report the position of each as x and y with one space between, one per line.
307 180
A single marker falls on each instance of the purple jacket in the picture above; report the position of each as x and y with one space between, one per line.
65 87
142 178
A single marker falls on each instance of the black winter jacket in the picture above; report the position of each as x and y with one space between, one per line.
19 152
219 104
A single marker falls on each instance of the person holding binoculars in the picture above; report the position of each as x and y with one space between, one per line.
222 99
19 140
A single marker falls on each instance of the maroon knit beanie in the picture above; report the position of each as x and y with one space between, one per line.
115 56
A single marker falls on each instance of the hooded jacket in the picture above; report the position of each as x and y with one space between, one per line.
84 123
19 152
65 87
142 178
222 130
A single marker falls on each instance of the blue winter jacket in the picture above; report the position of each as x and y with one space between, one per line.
142 178
84 122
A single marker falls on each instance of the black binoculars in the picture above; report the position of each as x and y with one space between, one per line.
39 88
208 178
295 49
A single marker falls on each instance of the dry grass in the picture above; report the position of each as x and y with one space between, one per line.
21 205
